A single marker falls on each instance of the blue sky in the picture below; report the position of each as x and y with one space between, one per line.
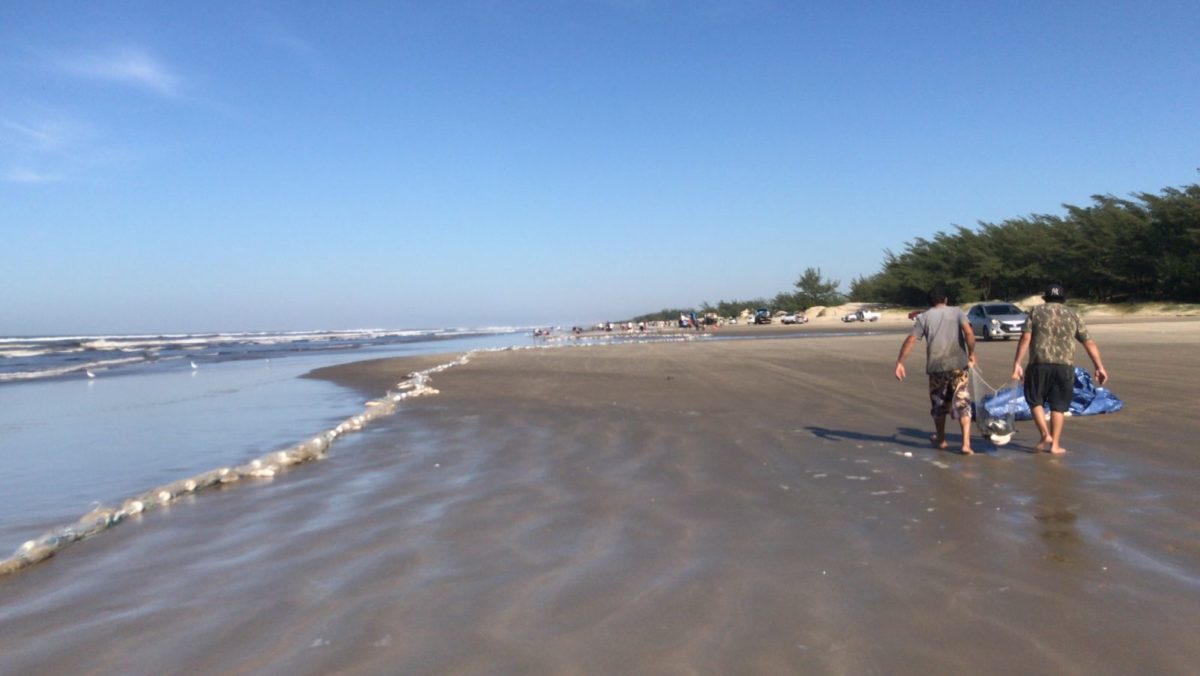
270 165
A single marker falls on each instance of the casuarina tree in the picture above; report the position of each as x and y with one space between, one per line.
812 289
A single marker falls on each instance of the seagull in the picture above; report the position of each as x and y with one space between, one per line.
89 373
194 365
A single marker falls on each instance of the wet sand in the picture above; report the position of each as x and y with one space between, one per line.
740 506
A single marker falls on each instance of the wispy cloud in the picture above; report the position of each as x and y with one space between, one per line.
45 145
27 176
128 66
274 31
45 135
40 145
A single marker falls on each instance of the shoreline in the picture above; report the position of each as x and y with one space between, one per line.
787 420
372 377
724 505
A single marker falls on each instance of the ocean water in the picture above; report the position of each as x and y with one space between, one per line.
157 409
40 358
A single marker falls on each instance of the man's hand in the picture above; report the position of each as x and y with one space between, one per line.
905 348
972 359
1018 372
1094 353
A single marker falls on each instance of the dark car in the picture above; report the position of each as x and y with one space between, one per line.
996 320
762 316
914 313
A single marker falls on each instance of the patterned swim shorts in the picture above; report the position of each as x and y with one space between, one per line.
949 394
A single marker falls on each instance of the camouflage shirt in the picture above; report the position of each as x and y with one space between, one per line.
1053 326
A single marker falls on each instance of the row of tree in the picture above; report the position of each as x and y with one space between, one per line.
1143 248
810 289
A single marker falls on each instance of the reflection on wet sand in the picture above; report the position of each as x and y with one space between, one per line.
729 507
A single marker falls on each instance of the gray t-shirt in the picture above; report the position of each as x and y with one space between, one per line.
945 344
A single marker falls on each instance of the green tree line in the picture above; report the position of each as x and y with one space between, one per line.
1146 247
1143 248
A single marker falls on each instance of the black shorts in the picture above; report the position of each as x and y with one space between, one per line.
1052 385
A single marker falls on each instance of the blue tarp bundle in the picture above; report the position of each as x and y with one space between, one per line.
1088 400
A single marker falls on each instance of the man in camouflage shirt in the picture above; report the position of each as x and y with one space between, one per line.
1050 378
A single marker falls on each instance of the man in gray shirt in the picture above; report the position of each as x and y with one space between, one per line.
949 351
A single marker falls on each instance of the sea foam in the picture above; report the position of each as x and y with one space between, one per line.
102 518
266 466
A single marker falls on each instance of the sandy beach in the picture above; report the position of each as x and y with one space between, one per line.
710 506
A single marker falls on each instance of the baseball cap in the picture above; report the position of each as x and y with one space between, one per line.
1054 292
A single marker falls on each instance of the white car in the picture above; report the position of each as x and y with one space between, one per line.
797 318
861 316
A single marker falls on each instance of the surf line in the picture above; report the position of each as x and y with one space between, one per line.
264 467
417 384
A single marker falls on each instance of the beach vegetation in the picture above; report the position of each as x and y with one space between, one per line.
1145 248
813 289
1124 251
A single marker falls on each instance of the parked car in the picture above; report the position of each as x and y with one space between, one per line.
914 313
996 319
794 318
861 316
762 316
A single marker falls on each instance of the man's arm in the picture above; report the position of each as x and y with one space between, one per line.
1022 350
905 348
969 336
1094 352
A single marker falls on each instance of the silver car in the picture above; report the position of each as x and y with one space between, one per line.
995 320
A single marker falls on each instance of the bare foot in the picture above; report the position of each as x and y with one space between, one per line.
966 450
1057 450
1043 444
938 443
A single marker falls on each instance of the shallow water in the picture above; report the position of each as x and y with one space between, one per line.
69 445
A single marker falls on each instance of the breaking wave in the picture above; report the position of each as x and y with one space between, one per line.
35 358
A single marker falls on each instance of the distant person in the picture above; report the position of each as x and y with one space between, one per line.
949 350
1050 378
